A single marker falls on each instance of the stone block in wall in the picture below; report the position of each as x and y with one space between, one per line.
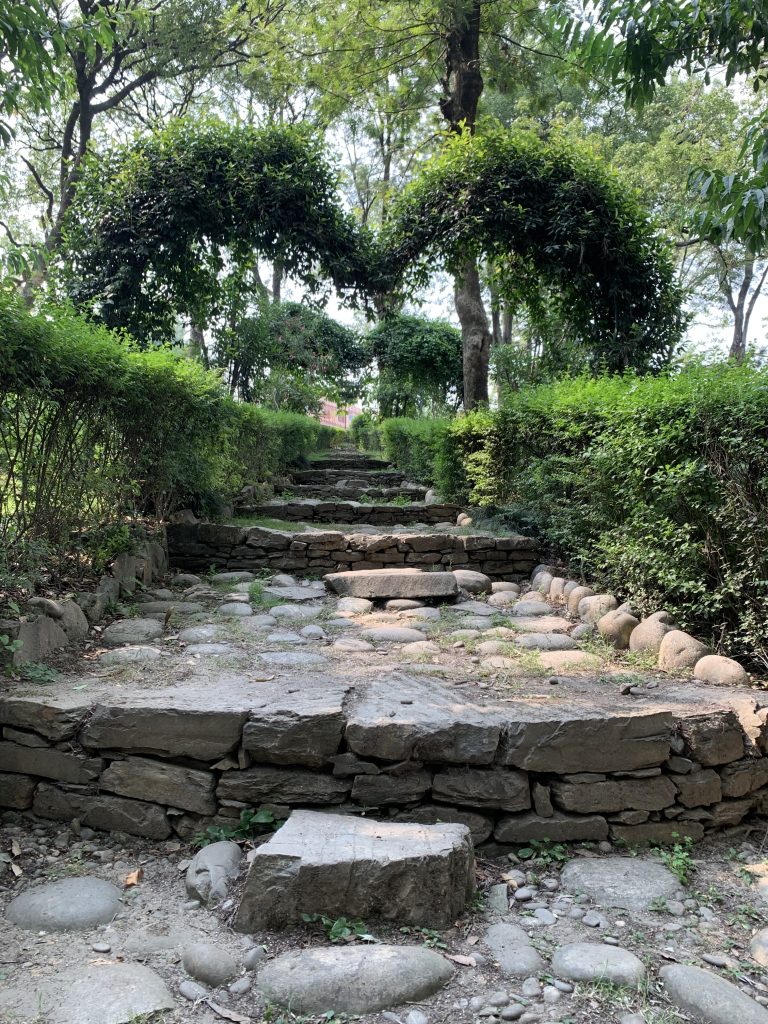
339 864
111 813
505 789
657 832
385 789
49 763
542 800
16 791
282 785
740 778
270 540
421 558
615 795
189 789
303 727
560 740
730 812
699 788
559 828
714 738
516 542
167 731
480 826
42 717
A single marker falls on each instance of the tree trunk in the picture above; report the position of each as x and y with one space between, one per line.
197 346
475 335
278 271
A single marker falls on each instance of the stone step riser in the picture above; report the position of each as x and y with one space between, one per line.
318 511
334 492
332 476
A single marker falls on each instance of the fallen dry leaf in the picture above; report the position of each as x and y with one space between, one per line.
16 870
262 679
133 878
232 1015
465 961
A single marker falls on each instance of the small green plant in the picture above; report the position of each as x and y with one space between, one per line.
678 858
37 672
544 853
250 825
340 929
658 905
8 647
430 938
479 901
258 598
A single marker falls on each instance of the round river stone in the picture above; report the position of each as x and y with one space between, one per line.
629 883
71 904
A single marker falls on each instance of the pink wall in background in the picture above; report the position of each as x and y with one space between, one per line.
331 416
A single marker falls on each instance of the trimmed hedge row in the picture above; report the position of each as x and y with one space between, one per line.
90 428
655 488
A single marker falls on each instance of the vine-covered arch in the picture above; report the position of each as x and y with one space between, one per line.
157 221
546 211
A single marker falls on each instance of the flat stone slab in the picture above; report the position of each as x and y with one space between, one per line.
594 961
213 651
97 994
627 883
295 612
381 584
235 609
392 634
136 655
72 904
299 594
342 865
199 634
296 726
131 631
353 979
539 624
709 998
512 950
292 659
546 642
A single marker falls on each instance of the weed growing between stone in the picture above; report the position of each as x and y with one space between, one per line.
340 929
678 858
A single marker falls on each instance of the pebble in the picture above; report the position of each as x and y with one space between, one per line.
676 908
715 960
577 913
253 957
240 987
632 1018
550 884
498 999
531 987
563 986
417 1017
610 940
101 947
545 916
524 894
513 1012
551 994
593 920
476 1003
192 991
190 905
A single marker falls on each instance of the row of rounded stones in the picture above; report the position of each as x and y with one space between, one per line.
656 634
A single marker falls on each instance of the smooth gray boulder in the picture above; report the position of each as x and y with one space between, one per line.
356 606
709 998
473 582
617 628
680 650
546 642
714 668
595 607
375 584
342 865
199 634
71 904
235 609
208 963
512 950
393 634
353 979
628 883
648 635
298 594
141 654
593 961
212 870
131 631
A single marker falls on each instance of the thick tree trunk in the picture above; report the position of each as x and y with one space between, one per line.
475 335
278 271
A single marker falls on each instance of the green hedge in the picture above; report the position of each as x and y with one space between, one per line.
413 445
655 488
90 428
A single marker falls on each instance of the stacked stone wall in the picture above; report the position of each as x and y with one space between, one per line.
327 510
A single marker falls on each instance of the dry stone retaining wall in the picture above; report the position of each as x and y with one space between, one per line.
197 547
400 748
318 510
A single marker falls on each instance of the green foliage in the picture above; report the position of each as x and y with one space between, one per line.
91 429
156 221
250 825
412 445
544 853
364 433
654 488
678 859
544 212
420 365
340 929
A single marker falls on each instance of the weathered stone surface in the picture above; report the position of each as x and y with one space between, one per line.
111 813
709 998
617 628
293 659
560 828
502 788
699 788
16 791
392 634
214 651
564 739
473 582
101 993
296 726
593 961
570 661
713 668
71 904
212 870
575 597
593 608
615 795
48 763
168 731
375 584
512 950
235 609
712 739
657 832
546 642
479 826
262 784
353 606
758 947
37 638
355 979
651 631
209 963
626 883
355 867
353 645
743 777
171 784
131 631
299 594
56 723
680 650
402 719
380 790
138 654
526 609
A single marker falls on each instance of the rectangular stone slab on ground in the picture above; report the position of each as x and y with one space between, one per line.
381 584
343 866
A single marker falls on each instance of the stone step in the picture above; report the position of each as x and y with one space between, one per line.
316 510
344 866
348 462
381 584
351 490
378 478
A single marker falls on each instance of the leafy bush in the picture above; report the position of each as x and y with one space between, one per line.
91 429
654 488
413 445
365 434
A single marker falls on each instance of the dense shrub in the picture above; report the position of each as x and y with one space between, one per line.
365 434
413 445
655 488
90 428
